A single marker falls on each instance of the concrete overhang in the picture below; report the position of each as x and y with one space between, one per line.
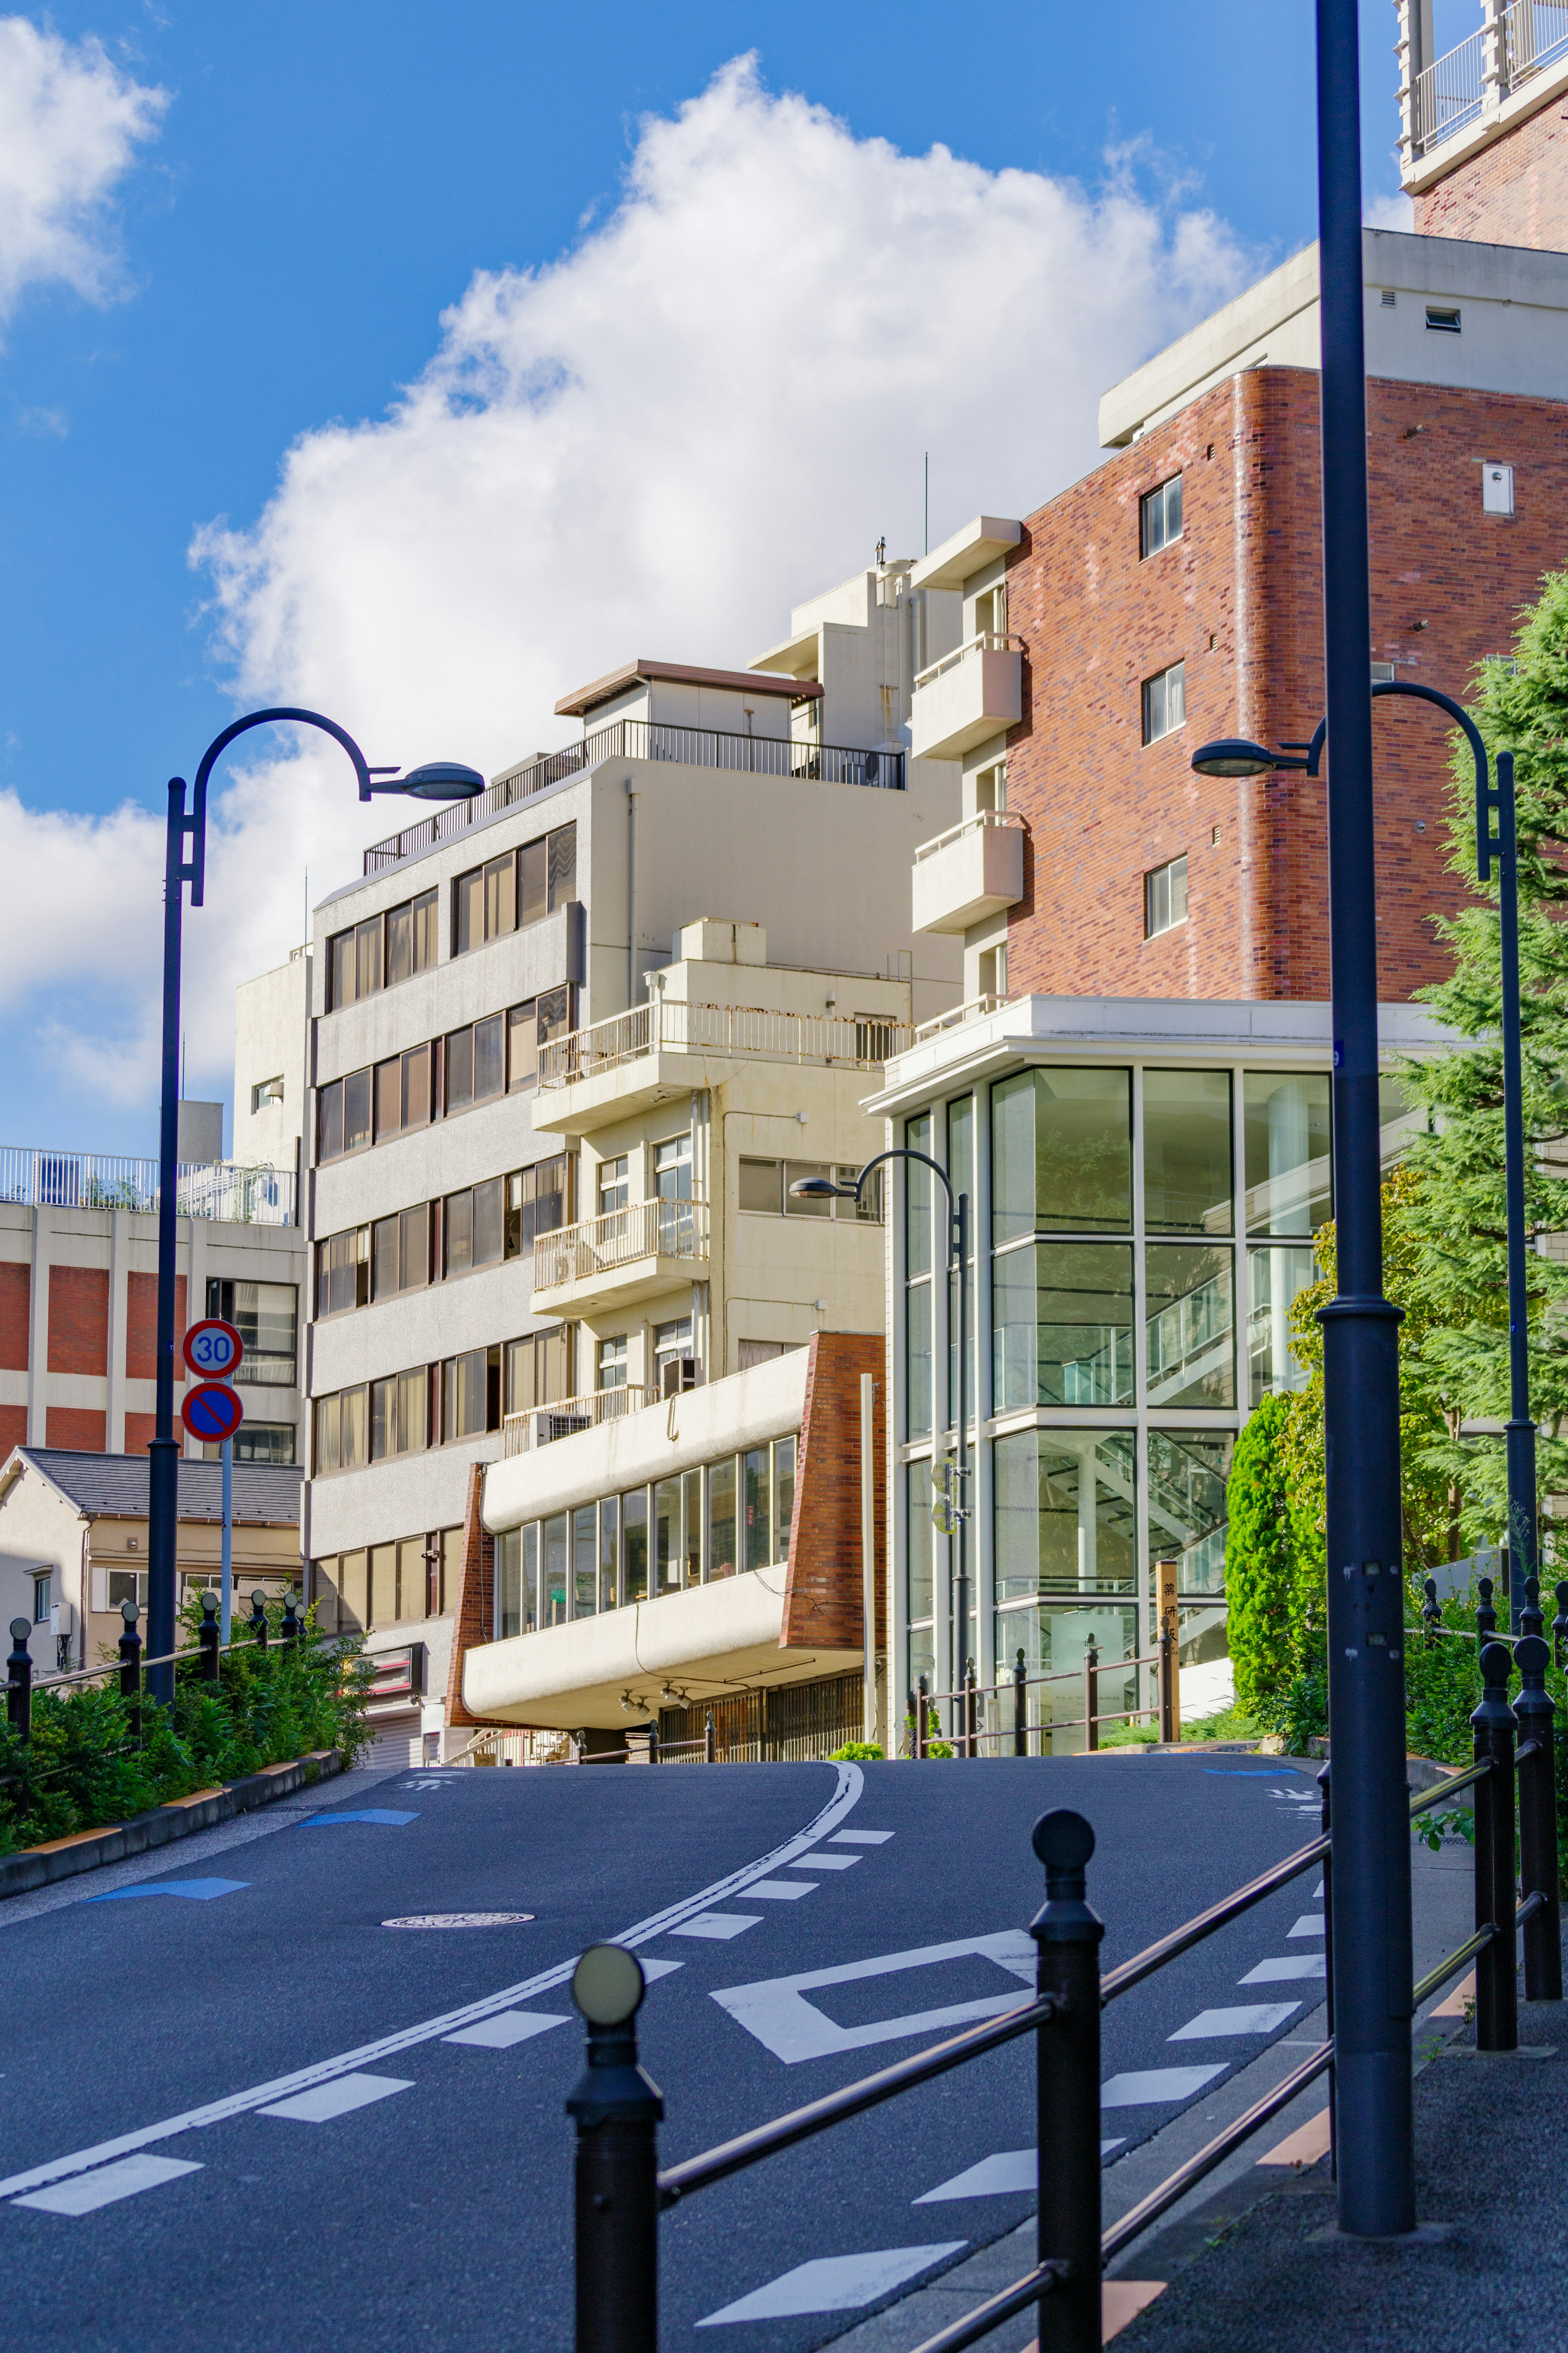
577 704
960 557
711 1640
790 654
619 1286
633 1085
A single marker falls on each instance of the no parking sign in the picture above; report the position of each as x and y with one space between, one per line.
212 1412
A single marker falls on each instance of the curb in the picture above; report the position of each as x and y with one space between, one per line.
57 1859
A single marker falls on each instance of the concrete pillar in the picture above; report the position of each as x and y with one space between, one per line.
38 1329
1494 55
118 1314
1413 48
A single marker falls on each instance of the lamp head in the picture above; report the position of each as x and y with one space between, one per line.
821 1188
441 780
1233 755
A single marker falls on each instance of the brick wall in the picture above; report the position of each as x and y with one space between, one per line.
1238 599
141 1328
16 1301
76 1427
1514 192
823 1595
475 1605
13 1427
78 1319
140 1429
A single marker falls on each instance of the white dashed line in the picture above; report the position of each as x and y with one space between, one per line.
1253 2018
721 1926
509 2028
833 2283
1297 1965
337 2098
87 2191
1146 2087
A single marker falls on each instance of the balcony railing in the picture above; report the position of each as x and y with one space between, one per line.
989 641
1452 92
541 1425
218 1189
643 739
978 823
673 1026
975 1010
620 1237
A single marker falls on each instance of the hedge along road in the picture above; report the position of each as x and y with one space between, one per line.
251 2114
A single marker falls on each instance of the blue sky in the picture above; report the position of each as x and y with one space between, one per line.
316 187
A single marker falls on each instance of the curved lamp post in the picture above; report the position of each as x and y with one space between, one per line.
824 1189
441 780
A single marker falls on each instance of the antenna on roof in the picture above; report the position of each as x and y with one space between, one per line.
881 551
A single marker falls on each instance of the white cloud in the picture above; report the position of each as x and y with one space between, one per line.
1396 211
69 124
705 410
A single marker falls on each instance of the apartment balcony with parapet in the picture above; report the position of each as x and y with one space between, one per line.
973 869
672 1046
973 692
545 1425
1512 64
622 1257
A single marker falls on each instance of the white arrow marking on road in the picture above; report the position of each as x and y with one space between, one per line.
845 1796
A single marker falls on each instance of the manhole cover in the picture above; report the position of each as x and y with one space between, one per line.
460 1920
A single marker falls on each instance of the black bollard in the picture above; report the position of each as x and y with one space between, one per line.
291 1628
1497 1988
258 1619
207 1638
1533 1712
19 1681
1431 1612
922 1718
1530 1618
1020 1708
709 1741
616 2108
971 1746
1486 1616
1068 1935
1560 1625
1326 1826
131 1669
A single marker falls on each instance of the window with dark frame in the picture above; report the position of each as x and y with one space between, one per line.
479 1063
381 951
1160 516
508 893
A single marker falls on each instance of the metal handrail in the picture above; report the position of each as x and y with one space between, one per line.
978 823
1193 1932
987 641
995 2309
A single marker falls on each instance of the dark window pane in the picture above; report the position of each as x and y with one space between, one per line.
367 957
562 858
492 1388
550 1345
550 1194
388 1097
330 1116
425 931
535 881
383 1419
1061 1152
1190 1325
399 944
555 1014
416 1087
459 1225
758 1534
811 1205
522 1045
761 1186
490 1057
413 1246
500 896
1186 1151
722 1517
460 1069
488 1222
340 971
469 910
384 1258
633 1521
356 1110
362 1266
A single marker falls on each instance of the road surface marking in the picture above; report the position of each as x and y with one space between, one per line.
337 2098
845 1796
1145 2088
780 1891
460 1920
199 1891
1011 2169
1254 2017
508 2027
860 1838
827 1862
834 2283
385 1818
721 1926
1298 1964
776 2011
1310 1924
87 2191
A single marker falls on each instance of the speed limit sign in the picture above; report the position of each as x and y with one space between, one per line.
213 1349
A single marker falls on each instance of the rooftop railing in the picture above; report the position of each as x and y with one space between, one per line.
1454 90
643 739
219 1190
673 1026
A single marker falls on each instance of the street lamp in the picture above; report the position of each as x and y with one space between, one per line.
824 1189
1233 756
440 780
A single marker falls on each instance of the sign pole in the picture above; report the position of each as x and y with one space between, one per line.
226 1612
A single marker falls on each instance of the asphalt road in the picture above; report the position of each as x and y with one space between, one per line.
182 2168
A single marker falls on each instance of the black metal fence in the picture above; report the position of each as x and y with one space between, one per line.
21 1684
620 2191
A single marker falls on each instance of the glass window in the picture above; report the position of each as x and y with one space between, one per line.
509 1583
383 1419
961 1176
808 1205
783 1493
1055 1641
691 1524
667 1535
383 1584
609 1546
340 970
1061 1153
1160 516
488 1222
416 1087
1164 702
413 1246
356 1110
553 1598
922 1538
1190 1324
457 1224
754 1474
530 1577
329 1120
522 1045
328 1441
389 1097
1399 1120
490 1057
562 848
1066 1515
761 1187
585 1559
385 1275
865 1209
460 1069
918 1181
1275 1280
1187 1474
500 896
260 1442
468 911
399 942
1286 1128
425 930
1165 896
610 1367
352 1444
367 957
614 1185
535 881
672 1168
550 1194
1186 1151
722 1517
1062 1324
917 1360
465 1401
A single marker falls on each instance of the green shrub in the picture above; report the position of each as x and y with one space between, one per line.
1260 1573
854 1752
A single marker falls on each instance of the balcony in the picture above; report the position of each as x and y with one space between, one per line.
971 693
217 1189
640 1058
541 1425
971 870
625 1255
957 1015
1475 78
